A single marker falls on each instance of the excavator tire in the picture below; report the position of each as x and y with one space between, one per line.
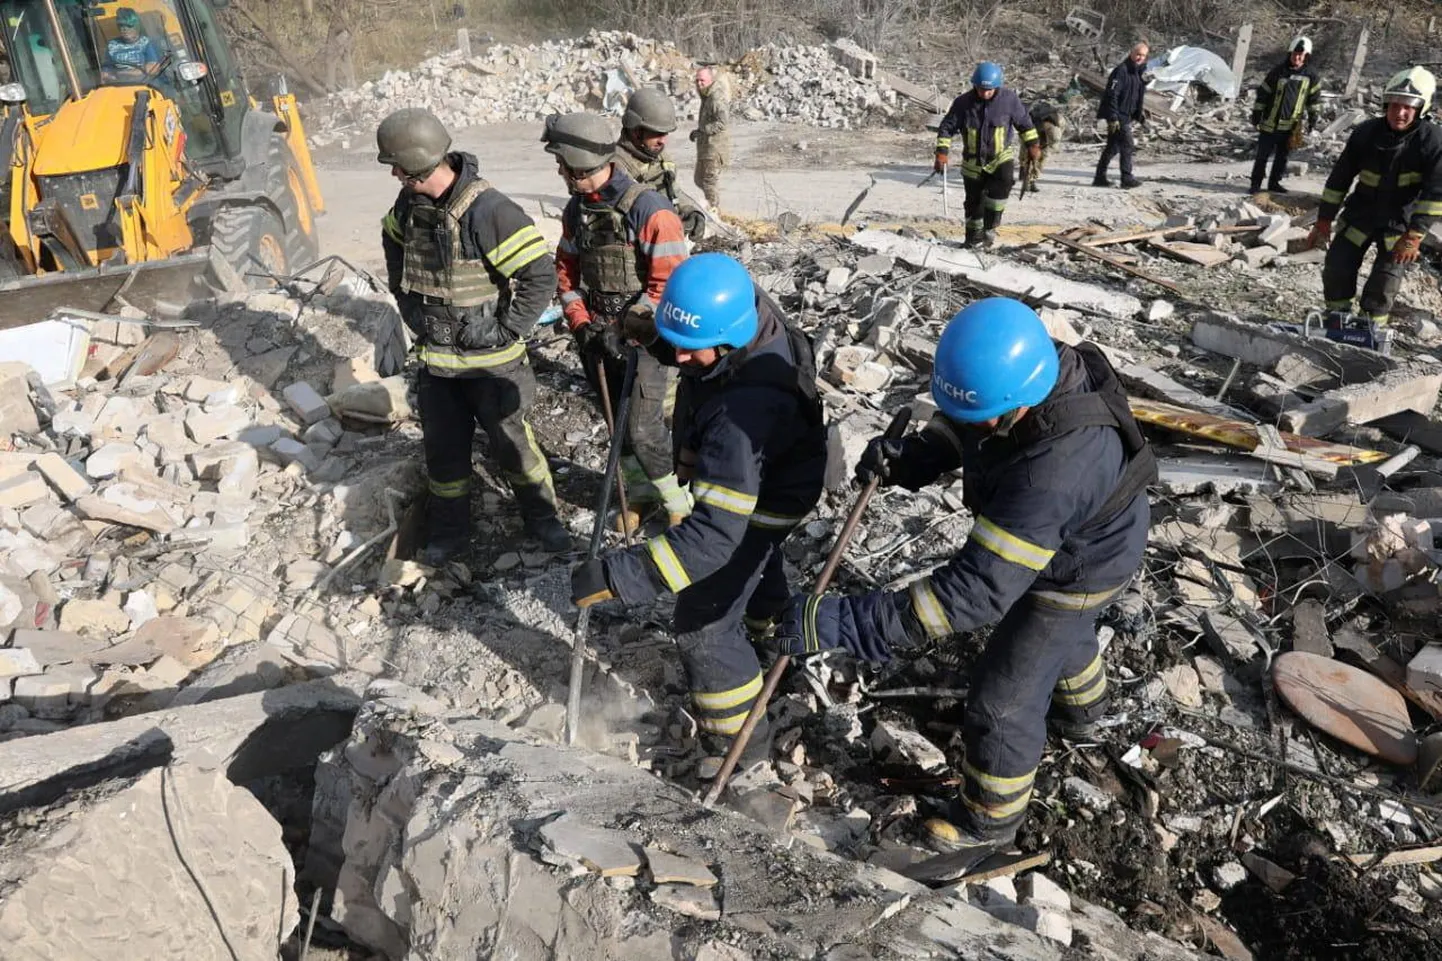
301 249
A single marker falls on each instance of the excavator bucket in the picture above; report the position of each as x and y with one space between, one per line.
152 287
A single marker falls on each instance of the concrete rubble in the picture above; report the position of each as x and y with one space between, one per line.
802 84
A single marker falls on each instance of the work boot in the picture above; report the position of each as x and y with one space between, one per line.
973 238
1073 732
714 748
448 530
1278 189
1100 180
1129 183
945 836
988 239
551 533
1254 189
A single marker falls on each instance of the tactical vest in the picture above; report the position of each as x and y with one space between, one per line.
610 271
659 175
434 267
1106 406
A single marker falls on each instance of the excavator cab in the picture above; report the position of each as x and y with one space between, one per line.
133 158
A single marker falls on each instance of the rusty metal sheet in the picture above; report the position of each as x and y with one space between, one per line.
1347 703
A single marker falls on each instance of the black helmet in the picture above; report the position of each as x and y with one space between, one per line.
413 140
583 141
649 109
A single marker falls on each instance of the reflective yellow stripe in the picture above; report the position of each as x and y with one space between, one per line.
1428 208
1029 136
524 246
943 144
450 489
392 228
1330 196
724 498
1074 600
513 243
775 521
1087 675
448 358
929 610
971 143
1408 180
1369 178
722 700
993 203
999 785
1009 547
999 812
730 724
1084 698
1355 236
666 561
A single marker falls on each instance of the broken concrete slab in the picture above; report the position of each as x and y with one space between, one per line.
894 744
608 853
692 902
1263 346
1155 384
667 868
179 863
1309 628
250 736
1405 389
1003 277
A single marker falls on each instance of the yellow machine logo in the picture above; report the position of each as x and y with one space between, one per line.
89 202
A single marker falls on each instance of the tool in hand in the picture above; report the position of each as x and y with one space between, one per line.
615 443
598 529
773 677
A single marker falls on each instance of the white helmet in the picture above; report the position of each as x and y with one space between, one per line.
1300 44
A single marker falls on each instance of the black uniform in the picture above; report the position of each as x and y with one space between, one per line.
753 441
1398 190
988 152
1281 100
1061 521
472 275
1121 104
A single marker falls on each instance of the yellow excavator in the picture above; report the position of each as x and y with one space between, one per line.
134 163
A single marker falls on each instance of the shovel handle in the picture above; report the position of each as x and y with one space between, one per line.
894 431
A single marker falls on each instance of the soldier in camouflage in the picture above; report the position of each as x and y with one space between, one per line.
649 118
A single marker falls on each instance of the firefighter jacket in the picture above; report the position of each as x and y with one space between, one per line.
469 266
985 128
618 245
1398 179
1060 512
1283 95
1126 89
659 173
754 442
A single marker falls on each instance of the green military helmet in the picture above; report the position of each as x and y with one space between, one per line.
413 140
583 141
650 109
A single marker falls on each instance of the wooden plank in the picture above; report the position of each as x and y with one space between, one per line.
1203 255
1394 859
1241 435
1113 261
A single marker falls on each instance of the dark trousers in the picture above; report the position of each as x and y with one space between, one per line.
1121 143
498 401
721 665
986 197
1274 147
1344 262
1038 658
647 436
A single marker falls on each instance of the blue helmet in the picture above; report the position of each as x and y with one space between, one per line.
986 76
709 301
994 356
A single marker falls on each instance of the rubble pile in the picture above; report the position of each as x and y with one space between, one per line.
527 83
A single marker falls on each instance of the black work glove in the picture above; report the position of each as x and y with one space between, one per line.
588 583
473 337
1257 118
694 223
879 461
601 336
696 135
638 324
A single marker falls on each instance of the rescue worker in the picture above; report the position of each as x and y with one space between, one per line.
619 243
1396 163
650 116
1055 473
985 117
713 141
753 445
1121 106
1290 88
1051 126
471 275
